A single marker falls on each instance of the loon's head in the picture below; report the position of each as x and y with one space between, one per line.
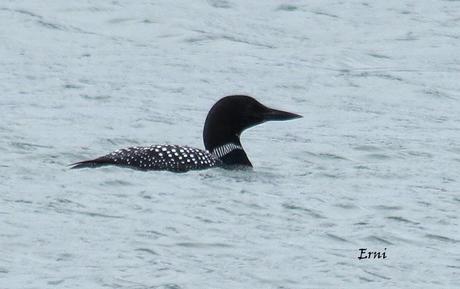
229 117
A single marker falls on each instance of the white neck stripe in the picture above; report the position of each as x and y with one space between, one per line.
225 149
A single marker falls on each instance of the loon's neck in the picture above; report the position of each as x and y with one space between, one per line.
226 147
231 154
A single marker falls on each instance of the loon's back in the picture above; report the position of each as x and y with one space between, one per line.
172 158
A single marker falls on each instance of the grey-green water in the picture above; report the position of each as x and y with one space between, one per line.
373 164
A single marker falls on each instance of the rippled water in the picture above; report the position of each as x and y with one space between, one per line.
373 164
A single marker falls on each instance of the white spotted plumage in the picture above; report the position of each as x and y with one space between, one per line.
163 157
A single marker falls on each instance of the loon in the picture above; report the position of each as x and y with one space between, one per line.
225 122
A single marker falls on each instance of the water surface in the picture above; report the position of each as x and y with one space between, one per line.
373 164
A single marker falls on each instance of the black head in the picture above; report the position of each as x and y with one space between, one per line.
231 115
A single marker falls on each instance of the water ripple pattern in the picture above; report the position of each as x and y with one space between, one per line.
373 164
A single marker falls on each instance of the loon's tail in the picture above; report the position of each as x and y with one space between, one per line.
99 162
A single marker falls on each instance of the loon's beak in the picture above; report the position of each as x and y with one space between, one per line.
274 114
